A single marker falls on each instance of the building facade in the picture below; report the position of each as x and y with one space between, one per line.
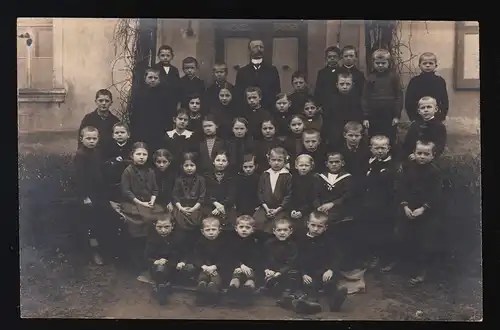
69 59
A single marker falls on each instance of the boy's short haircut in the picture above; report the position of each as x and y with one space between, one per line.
153 70
334 153
182 111
282 221
349 47
352 126
311 131
188 60
381 54
88 129
165 47
219 64
209 117
425 143
427 98
381 138
121 124
308 157
427 55
163 153
249 158
253 89
247 218
278 151
322 216
193 96
104 92
343 72
282 95
334 49
209 221
299 74
164 216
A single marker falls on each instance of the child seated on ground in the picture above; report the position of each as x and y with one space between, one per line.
188 196
304 191
377 216
116 158
165 253
245 250
139 190
220 185
318 263
247 201
165 177
274 191
419 193
210 258
280 252
428 128
89 189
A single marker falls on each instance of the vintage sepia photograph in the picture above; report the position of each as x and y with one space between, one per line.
246 169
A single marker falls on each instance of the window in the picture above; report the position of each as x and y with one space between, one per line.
36 78
467 56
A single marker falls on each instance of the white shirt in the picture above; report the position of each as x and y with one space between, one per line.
332 177
273 176
167 69
173 132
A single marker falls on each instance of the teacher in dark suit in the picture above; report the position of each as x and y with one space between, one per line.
258 73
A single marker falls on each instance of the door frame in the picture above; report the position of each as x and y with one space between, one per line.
264 30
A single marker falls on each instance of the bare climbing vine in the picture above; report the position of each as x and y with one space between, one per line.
125 37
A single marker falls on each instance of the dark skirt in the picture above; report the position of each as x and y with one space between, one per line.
139 218
187 222
265 224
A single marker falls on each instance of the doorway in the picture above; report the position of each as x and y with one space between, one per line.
285 44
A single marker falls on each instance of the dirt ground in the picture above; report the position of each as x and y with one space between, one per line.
53 285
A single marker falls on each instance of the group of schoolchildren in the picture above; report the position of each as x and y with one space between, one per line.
237 196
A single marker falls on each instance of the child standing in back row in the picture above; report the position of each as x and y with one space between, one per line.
382 100
300 92
427 83
326 77
190 84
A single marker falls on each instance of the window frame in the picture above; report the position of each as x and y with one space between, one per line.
56 93
461 30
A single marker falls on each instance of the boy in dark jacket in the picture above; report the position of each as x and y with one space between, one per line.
318 263
427 83
219 72
349 58
169 79
419 194
211 256
281 252
428 128
245 253
166 255
377 219
89 188
247 200
101 118
255 113
190 84
300 92
341 108
382 97
313 146
326 78
354 149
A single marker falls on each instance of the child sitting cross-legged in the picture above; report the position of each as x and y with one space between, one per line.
318 262
245 252
280 276
210 256
165 251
